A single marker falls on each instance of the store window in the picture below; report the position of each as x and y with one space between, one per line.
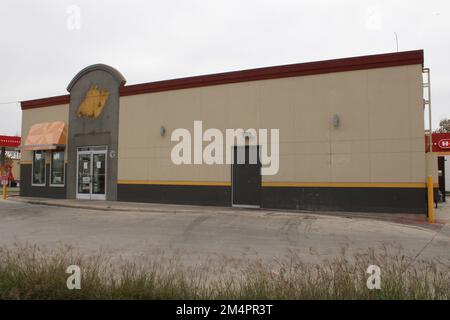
38 178
57 168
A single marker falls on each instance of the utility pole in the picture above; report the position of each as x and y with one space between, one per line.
3 169
396 39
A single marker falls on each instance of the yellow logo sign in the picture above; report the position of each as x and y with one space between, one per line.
93 104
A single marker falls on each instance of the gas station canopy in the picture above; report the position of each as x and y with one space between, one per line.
10 142
441 143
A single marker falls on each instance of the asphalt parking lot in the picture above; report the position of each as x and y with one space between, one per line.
208 233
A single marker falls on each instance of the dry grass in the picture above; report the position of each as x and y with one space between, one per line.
33 273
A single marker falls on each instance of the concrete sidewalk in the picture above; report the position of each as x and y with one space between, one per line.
442 214
120 206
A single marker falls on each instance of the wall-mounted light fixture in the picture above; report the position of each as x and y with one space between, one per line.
336 121
162 131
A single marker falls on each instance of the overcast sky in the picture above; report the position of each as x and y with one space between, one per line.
42 48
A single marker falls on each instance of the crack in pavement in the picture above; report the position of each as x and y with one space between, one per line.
426 246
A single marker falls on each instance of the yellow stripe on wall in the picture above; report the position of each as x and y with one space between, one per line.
282 184
344 184
176 183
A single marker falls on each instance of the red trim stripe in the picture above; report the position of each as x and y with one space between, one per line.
45 102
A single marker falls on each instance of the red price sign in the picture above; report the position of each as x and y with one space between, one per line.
444 144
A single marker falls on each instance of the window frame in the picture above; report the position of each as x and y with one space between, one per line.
51 170
32 169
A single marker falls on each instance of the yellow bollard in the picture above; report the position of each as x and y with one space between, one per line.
430 199
4 191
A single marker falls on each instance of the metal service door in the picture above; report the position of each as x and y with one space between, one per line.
246 177
91 174
441 178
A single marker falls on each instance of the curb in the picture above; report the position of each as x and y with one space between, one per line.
107 208
225 210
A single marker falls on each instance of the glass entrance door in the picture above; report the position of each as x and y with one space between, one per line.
84 176
98 176
91 174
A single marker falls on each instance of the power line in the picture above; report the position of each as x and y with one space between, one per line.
396 39
10 102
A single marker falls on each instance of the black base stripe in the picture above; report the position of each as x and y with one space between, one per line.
192 195
27 190
389 200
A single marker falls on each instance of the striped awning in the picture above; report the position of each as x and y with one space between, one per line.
46 136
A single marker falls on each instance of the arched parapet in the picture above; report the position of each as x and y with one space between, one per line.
98 67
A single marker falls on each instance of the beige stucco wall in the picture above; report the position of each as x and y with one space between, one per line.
432 166
38 115
380 138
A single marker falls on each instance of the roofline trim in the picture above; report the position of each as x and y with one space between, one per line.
284 71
